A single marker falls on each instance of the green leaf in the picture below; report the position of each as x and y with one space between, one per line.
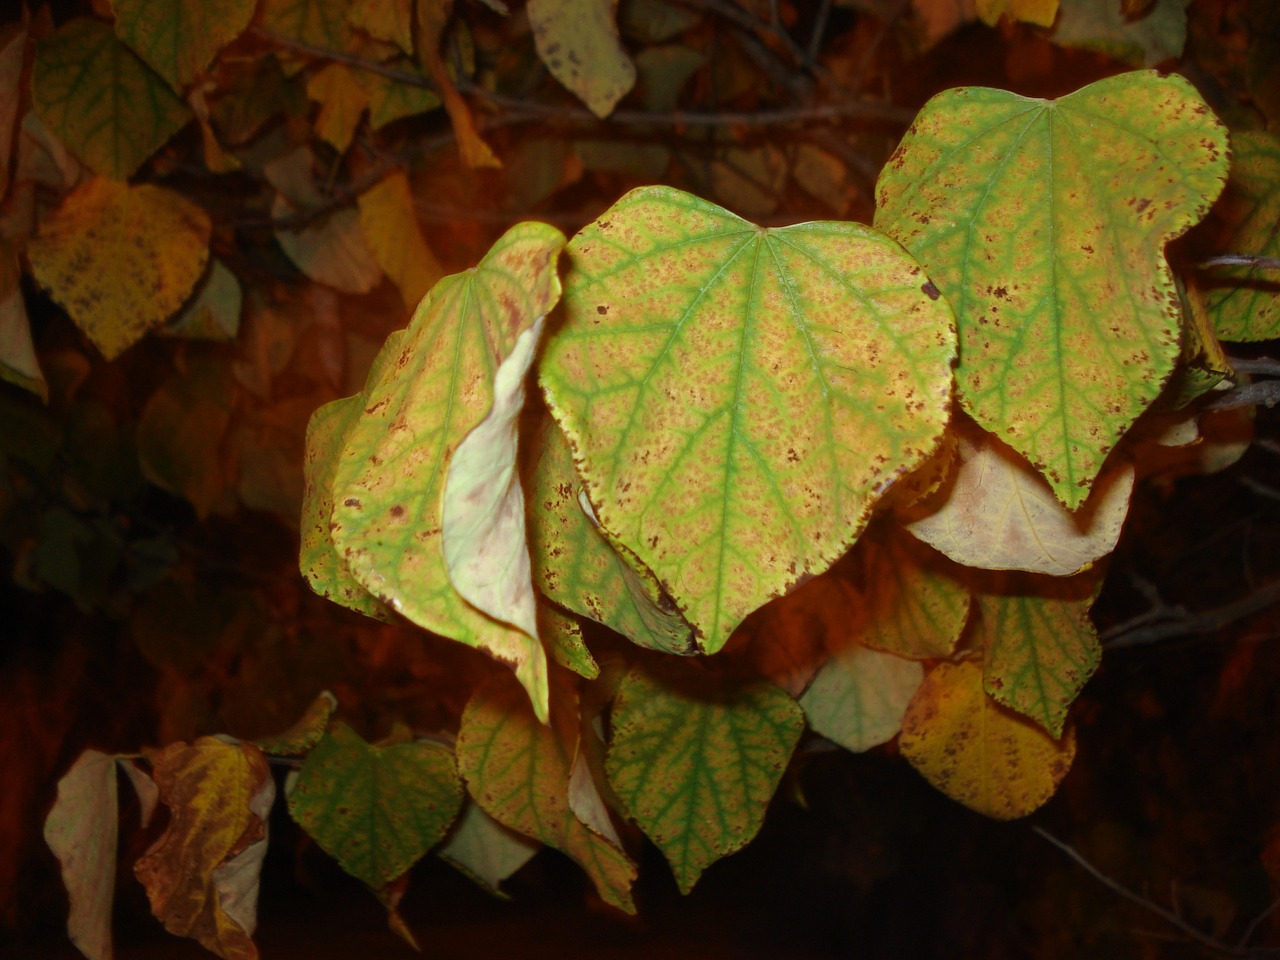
518 771
437 385
300 738
485 850
1044 223
578 41
1244 302
317 23
859 697
562 636
695 759
179 39
575 566
739 397
101 100
1039 646
376 810
1154 36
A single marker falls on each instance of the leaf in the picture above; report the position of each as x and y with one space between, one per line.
392 100
101 100
485 850
432 18
823 176
574 565
750 180
214 313
390 20
1204 364
656 21
12 56
1157 35
911 605
376 810
998 514
695 759
390 479
120 259
179 39
215 794
392 232
18 362
859 697
518 771
1039 646
299 739
1244 302
663 73
977 752
1039 12
938 19
342 100
81 830
578 41
1052 217
738 397
562 636
316 23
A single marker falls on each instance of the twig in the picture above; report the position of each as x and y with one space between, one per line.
819 30
1163 622
1240 260
1168 916
1265 393
1263 365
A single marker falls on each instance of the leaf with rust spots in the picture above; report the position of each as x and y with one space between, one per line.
201 875
695 759
999 514
578 41
745 395
120 259
978 752
428 390
518 770
1044 223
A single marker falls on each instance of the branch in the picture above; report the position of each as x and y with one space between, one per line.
1239 949
1240 260
1162 621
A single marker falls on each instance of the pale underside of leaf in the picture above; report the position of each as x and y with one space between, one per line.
859 696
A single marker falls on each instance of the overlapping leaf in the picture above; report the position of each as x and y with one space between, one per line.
485 850
518 771
976 751
376 810
578 41
695 760
392 232
1039 646
120 259
739 397
1244 302
859 697
306 733
436 385
1039 12
179 39
101 100
1044 223
1150 38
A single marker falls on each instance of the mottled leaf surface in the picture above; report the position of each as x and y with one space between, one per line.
695 760
1044 224
738 397
376 810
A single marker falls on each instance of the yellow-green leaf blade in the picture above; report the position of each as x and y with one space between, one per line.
120 259
578 41
695 760
860 695
1244 302
436 385
376 810
179 39
737 397
1044 223
101 100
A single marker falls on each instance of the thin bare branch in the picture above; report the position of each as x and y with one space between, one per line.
1241 260
1163 622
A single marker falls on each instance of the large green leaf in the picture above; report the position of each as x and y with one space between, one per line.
178 39
101 100
435 387
1244 302
739 397
376 810
695 759
575 566
518 771
1044 223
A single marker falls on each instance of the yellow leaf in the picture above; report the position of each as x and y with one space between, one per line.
433 15
217 794
342 99
390 20
578 41
976 751
392 233
1039 12
120 259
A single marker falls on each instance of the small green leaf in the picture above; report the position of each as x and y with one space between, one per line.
1044 223
376 810
738 398
101 100
859 697
695 759
1244 302
1039 644
179 39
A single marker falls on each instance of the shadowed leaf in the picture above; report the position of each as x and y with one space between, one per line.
179 39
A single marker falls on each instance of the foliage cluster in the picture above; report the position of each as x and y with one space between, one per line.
875 470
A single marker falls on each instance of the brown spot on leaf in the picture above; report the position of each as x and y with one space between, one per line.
930 291
351 502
